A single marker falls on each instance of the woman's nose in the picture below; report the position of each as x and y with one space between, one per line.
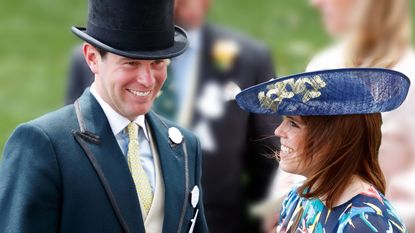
279 131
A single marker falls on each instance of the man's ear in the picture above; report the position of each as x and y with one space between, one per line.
92 57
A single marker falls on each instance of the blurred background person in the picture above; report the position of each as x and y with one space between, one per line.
375 33
200 94
80 76
218 64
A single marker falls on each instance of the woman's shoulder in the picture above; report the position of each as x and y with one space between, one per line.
370 211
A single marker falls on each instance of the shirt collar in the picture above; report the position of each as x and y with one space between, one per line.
117 122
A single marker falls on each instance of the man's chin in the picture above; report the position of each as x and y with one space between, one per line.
141 111
134 109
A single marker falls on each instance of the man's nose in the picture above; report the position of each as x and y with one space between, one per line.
145 75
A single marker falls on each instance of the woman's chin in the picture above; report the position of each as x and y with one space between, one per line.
288 167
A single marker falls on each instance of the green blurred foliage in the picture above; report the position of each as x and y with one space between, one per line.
291 29
35 44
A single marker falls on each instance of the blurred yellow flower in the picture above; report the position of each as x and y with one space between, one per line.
224 53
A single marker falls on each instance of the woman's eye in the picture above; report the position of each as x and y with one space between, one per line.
293 124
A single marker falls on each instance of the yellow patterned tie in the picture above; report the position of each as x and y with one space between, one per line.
140 178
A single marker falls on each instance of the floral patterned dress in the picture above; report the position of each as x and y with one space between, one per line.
367 212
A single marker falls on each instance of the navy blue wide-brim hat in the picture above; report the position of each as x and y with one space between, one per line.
139 29
328 92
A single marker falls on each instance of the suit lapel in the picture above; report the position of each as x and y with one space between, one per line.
97 140
173 162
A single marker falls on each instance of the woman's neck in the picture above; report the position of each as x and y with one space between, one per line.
356 186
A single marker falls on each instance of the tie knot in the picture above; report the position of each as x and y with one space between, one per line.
132 130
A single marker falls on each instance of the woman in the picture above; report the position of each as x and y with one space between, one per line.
369 33
331 134
377 33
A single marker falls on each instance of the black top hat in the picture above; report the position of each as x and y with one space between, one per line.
141 29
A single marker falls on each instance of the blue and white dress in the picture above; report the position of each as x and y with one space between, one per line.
368 212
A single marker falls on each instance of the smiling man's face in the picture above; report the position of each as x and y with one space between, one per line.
129 86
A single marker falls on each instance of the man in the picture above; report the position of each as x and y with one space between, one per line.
199 94
107 163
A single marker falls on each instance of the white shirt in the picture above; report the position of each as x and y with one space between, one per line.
118 123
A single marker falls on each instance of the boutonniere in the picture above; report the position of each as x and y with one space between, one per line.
231 90
224 52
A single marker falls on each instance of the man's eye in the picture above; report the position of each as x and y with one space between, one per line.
131 63
158 62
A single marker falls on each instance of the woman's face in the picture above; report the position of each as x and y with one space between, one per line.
339 16
291 133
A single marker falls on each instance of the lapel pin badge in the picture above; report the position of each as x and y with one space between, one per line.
194 197
175 135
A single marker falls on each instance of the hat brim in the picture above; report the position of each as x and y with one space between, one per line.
180 45
328 92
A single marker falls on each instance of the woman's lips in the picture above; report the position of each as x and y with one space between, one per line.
286 149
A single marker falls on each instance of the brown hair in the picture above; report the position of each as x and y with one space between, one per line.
101 52
335 149
382 34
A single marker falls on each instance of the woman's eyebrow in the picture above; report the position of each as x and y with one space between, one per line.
294 119
290 118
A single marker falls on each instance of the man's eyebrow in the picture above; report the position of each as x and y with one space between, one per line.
126 59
